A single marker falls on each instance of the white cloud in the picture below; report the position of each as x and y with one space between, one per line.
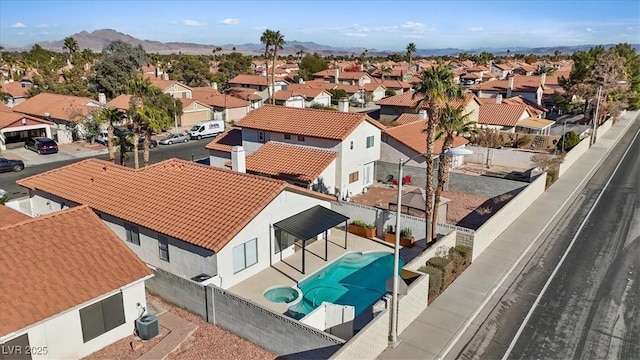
591 30
415 26
193 23
476 29
230 21
18 25
355 34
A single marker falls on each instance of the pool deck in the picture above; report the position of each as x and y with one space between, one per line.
288 271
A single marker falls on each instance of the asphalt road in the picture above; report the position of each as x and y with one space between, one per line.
590 309
192 150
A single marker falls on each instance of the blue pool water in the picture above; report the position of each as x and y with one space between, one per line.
355 279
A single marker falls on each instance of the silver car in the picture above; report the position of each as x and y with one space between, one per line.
174 138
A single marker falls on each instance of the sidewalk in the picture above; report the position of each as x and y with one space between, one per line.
437 330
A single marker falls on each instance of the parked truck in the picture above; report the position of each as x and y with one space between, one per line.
206 129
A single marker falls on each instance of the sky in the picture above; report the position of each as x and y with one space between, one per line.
379 25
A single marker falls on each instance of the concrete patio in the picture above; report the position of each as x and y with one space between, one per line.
288 272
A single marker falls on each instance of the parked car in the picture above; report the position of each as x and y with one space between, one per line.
41 145
103 137
7 165
152 144
174 138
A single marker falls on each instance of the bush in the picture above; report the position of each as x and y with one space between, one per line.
465 252
523 141
435 280
447 267
569 139
406 233
390 229
362 224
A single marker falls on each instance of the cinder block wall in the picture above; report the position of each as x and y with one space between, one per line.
179 291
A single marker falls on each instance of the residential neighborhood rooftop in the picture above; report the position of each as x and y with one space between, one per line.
414 136
64 259
57 106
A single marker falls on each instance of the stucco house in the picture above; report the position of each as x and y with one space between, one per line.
172 87
303 97
529 87
258 83
336 76
69 285
198 220
194 111
17 90
502 116
393 106
355 137
15 127
223 106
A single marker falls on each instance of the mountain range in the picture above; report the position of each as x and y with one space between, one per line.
97 39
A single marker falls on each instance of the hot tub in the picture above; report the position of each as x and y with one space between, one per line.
283 294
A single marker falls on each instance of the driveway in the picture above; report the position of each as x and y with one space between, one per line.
71 151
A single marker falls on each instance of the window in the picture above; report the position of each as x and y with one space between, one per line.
260 136
15 348
369 141
353 177
163 245
245 255
287 136
102 317
133 234
351 145
300 138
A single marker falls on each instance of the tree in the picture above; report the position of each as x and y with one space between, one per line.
411 48
568 141
141 86
135 115
267 39
452 122
110 116
432 92
71 45
336 94
232 64
384 70
152 120
530 59
278 43
312 64
120 63
544 69
192 70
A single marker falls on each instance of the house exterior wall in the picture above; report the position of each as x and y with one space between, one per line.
377 94
296 102
237 113
250 141
358 158
178 91
218 158
326 181
531 96
62 334
283 206
322 99
193 115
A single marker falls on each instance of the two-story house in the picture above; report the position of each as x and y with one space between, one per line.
336 76
172 87
197 220
303 97
355 137
258 83
393 106
529 87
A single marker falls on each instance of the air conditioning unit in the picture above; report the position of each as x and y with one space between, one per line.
204 279
147 327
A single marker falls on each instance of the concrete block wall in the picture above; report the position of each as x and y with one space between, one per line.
369 342
446 242
482 185
277 333
500 157
491 229
414 303
179 291
574 154
418 174
604 127
464 239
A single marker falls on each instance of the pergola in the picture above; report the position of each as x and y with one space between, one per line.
310 223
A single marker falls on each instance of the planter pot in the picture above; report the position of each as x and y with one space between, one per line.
390 237
407 242
360 231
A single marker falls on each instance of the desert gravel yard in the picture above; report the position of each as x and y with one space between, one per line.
122 349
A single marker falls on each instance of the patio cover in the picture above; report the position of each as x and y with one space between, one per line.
310 223
535 123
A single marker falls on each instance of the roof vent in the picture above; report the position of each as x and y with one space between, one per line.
47 115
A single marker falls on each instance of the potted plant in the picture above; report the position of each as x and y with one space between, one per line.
390 235
363 229
406 238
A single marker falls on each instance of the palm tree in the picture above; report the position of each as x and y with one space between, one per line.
141 86
544 69
110 115
72 45
267 39
136 107
432 92
384 70
452 122
278 43
152 120
411 48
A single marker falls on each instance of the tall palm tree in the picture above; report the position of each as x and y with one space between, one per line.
267 39
109 116
544 69
141 86
452 122
278 43
72 45
134 114
411 48
153 120
432 92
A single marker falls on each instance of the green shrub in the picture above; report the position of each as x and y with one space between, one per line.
457 260
570 139
362 224
523 141
446 266
406 233
435 280
390 229
465 252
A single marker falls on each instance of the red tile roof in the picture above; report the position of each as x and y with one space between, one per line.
521 83
256 80
219 100
8 216
198 204
414 136
64 107
15 89
165 84
10 118
244 94
307 93
406 118
121 102
406 99
325 124
533 108
289 162
52 263
225 141
501 114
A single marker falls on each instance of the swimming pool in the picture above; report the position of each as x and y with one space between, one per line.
357 279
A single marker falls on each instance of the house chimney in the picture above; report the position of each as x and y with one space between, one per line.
509 86
422 114
102 98
238 159
343 105
337 75
543 78
214 85
165 76
300 81
499 99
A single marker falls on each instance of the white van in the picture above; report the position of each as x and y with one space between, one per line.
206 129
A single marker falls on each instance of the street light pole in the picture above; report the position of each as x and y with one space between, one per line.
595 118
175 116
564 134
393 341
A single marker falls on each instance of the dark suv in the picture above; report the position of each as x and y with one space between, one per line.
41 145
152 144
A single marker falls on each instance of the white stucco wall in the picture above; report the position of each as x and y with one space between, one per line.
295 101
322 99
284 205
356 159
218 158
62 333
328 178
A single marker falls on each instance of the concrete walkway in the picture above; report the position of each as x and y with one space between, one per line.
180 329
435 333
